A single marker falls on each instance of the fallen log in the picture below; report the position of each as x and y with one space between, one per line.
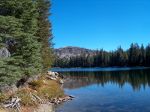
13 103
57 101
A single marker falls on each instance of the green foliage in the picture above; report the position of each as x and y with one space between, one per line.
20 25
44 32
148 55
135 56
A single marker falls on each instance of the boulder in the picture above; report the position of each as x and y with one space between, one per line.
8 88
61 81
4 53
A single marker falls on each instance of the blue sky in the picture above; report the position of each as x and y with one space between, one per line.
99 24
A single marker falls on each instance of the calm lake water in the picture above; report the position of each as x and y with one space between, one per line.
107 90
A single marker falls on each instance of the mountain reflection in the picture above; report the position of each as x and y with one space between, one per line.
136 78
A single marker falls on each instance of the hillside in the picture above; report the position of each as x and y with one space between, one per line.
71 51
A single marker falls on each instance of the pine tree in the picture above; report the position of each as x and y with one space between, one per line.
135 56
44 32
148 55
134 53
18 33
142 56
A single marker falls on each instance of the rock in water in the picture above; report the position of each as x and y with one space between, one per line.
4 53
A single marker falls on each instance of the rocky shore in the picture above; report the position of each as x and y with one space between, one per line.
40 94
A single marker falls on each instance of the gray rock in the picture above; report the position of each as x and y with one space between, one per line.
4 53
7 88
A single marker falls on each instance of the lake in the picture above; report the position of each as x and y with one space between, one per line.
106 89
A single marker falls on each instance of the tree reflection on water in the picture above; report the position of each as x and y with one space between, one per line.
136 78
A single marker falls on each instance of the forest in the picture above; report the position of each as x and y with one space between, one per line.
22 23
136 55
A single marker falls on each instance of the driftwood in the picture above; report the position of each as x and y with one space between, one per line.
13 103
36 98
54 101
57 101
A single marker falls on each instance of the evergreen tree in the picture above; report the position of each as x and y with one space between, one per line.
148 55
22 25
134 53
135 56
142 56
44 32
121 57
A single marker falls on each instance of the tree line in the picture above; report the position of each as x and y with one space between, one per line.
25 31
135 56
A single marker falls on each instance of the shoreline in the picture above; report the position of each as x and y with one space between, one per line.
38 95
94 69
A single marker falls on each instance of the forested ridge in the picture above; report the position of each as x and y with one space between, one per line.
136 55
25 32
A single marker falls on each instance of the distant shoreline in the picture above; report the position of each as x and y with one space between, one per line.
78 69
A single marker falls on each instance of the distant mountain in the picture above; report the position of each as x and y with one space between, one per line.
70 51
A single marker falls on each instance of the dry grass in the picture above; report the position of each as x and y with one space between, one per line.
36 84
47 89
2 110
51 89
4 97
25 95
44 88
